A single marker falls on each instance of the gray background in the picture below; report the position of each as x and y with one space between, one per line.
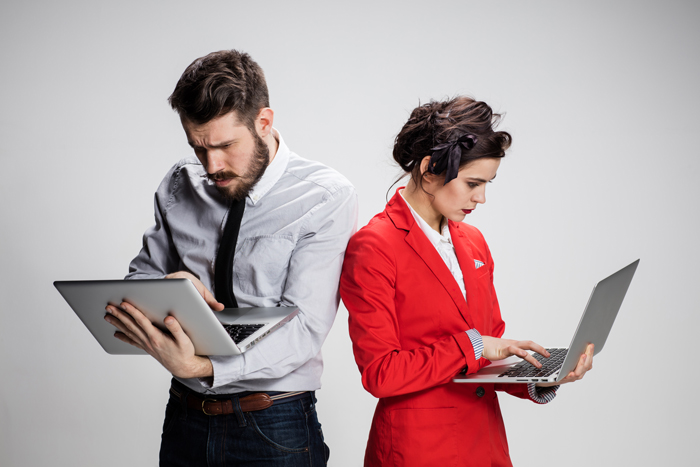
601 99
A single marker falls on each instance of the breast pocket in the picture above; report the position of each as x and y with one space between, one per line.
261 263
482 271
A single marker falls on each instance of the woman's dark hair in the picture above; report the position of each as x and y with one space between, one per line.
437 123
219 83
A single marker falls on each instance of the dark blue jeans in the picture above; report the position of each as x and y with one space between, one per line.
286 434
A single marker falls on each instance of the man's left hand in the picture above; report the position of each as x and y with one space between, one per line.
175 351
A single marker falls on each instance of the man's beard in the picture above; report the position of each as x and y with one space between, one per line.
240 185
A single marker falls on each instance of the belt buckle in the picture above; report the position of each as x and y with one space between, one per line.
205 410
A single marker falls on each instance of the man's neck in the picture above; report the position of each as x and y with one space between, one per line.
272 144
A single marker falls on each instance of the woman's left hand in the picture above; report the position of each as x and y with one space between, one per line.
585 364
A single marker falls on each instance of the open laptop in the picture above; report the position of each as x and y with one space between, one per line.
594 327
228 332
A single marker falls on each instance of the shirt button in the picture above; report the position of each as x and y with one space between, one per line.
480 391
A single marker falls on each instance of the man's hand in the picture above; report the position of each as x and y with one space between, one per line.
498 349
585 364
204 292
174 351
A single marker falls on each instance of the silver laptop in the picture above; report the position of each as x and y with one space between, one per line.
228 332
594 327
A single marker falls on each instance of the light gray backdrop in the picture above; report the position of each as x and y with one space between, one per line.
601 99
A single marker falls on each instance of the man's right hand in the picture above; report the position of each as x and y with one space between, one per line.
204 292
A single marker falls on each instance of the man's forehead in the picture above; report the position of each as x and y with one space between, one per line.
230 119
224 126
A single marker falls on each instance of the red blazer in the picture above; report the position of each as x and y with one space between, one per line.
408 319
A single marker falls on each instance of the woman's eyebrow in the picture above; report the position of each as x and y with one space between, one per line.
481 180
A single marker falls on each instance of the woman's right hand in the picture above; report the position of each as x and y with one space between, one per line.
498 349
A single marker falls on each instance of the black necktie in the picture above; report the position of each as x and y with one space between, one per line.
223 268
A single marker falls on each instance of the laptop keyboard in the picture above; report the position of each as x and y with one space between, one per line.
549 365
239 332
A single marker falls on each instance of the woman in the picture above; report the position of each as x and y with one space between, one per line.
418 285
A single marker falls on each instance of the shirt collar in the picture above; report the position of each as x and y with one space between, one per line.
273 172
435 238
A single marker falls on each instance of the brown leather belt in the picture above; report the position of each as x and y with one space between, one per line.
249 403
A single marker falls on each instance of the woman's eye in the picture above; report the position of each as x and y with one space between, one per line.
472 185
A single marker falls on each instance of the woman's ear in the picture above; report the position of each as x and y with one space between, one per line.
425 173
424 164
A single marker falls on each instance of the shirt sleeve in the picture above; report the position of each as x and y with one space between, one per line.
312 286
477 342
158 256
541 395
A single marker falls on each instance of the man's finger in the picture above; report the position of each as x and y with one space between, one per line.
143 324
211 300
124 323
124 338
175 329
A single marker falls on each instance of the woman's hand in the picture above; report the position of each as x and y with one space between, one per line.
585 364
498 349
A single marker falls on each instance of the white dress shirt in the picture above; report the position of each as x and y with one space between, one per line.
296 225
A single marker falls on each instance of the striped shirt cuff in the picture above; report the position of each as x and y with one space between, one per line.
477 343
541 395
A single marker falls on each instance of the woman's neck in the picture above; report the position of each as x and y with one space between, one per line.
422 203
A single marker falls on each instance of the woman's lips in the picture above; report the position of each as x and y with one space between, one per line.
467 211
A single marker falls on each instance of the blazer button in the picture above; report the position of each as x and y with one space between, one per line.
480 391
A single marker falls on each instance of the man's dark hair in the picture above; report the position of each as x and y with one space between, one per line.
219 83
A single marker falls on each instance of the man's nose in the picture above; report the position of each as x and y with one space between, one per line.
215 161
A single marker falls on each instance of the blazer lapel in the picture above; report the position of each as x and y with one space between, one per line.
465 257
402 218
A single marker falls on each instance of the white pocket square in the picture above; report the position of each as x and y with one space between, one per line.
478 263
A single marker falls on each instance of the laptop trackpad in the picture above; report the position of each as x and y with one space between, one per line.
498 367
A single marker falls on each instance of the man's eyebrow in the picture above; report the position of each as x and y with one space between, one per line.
220 145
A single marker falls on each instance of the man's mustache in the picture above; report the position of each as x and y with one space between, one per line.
222 175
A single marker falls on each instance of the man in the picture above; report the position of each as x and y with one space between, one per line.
297 218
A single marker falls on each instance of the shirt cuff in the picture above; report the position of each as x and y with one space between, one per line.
227 369
541 395
477 343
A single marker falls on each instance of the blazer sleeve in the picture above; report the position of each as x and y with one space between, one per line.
523 391
368 289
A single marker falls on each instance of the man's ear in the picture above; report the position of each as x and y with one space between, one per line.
263 122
